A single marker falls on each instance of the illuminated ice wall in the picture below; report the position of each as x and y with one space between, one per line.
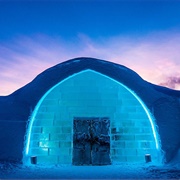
90 94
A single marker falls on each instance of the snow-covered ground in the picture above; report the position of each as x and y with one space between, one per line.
121 171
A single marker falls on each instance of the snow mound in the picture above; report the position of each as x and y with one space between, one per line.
15 109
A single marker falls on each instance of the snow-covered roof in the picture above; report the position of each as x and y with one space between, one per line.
16 108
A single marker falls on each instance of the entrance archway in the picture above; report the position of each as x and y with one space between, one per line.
90 94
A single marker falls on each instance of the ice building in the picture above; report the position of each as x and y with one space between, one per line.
88 111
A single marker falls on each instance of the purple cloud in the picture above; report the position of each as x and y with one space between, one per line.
171 82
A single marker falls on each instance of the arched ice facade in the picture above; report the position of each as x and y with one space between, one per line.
62 126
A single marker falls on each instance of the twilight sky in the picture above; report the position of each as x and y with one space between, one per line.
143 35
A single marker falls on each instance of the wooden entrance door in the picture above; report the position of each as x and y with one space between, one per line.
91 141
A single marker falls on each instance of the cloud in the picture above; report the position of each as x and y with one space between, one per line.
153 56
171 82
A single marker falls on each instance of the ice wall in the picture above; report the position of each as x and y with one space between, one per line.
90 94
